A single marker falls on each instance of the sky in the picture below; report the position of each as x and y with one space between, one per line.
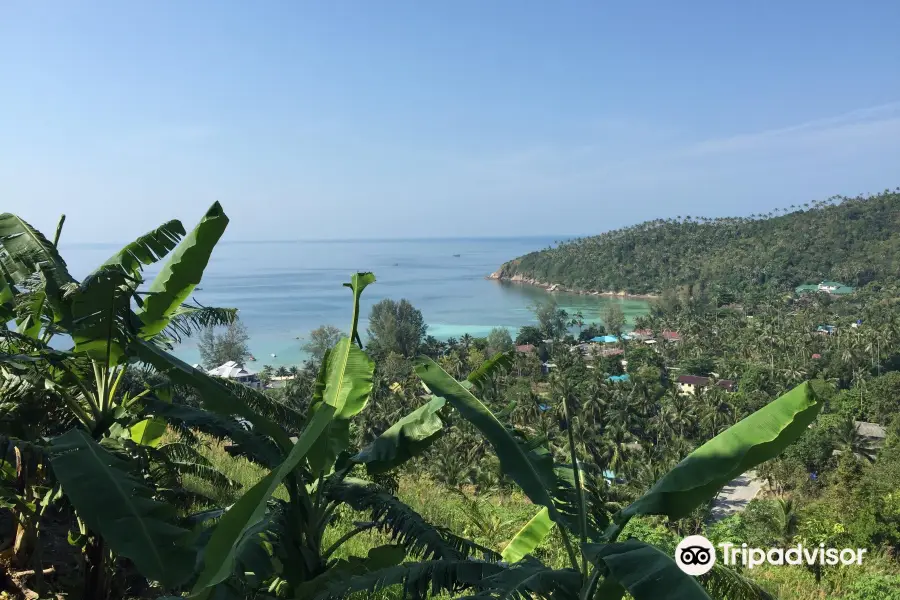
410 119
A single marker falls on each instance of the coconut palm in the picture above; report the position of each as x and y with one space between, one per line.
847 438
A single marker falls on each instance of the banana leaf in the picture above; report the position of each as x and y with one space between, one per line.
529 537
220 553
645 571
344 383
147 249
502 361
182 272
100 313
116 504
24 248
408 437
756 439
533 471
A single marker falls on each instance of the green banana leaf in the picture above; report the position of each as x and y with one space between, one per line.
181 272
257 448
7 306
529 578
379 557
756 439
536 478
408 437
529 537
501 361
645 571
117 505
219 554
147 249
347 374
148 432
100 312
358 283
348 379
414 579
24 248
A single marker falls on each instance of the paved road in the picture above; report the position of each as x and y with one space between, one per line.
735 496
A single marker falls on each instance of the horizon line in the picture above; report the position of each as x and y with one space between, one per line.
562 237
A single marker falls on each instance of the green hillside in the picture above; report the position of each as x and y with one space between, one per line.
853 240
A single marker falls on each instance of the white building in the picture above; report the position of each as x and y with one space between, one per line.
235 372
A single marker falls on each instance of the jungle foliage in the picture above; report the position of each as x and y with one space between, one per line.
853 240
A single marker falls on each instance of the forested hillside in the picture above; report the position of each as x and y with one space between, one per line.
853 240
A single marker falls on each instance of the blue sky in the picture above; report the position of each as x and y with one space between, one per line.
413 119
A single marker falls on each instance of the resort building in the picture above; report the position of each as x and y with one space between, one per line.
525 348
834 288
237 373
689 384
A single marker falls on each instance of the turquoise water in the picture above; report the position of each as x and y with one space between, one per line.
285 289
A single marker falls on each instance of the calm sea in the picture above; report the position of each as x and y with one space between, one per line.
285 289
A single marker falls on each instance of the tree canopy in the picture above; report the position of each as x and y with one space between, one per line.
553 320
499 340
321 339
395 327
852 240
218 348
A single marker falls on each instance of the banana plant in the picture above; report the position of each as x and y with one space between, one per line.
106 317
600 565
264 543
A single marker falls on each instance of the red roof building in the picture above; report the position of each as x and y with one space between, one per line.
525 348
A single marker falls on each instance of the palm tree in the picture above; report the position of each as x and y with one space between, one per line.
614 448
785 520
848 439
466 341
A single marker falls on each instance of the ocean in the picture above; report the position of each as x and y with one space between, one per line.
283 290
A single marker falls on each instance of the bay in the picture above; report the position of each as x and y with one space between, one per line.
284 289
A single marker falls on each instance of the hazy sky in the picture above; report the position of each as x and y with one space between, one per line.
388 118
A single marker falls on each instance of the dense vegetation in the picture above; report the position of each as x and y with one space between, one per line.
853 240
427 467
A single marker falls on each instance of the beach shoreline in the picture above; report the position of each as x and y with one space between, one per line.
557 287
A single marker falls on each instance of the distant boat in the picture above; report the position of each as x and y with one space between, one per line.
396 264
456 256
272 355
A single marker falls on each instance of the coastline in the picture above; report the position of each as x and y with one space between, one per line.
557 287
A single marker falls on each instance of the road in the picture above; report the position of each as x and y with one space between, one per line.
735 496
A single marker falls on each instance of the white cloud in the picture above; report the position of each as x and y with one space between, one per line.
636 157
876 121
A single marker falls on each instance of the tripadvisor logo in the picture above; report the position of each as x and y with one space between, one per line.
695 555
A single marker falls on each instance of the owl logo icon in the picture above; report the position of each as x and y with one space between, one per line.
695 555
